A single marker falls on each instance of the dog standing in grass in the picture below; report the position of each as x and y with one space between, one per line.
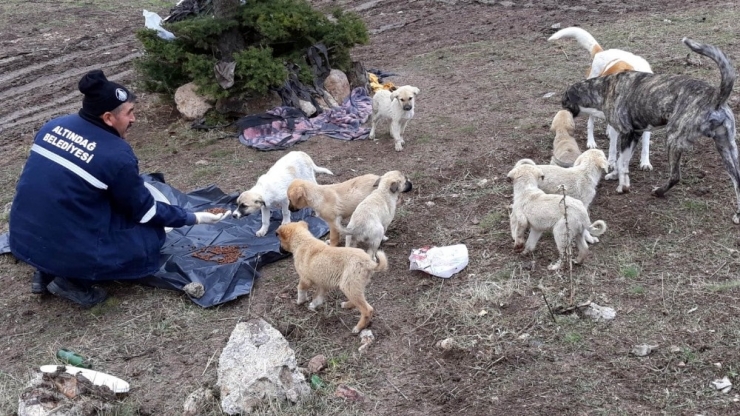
634 102
271 189
398 106
606 62
564 148
326 268
537 211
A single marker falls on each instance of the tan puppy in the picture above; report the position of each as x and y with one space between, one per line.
580 181
331 202
542 212
398 106
564 148
374 214
326 268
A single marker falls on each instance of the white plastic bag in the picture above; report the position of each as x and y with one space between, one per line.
439 261
153 21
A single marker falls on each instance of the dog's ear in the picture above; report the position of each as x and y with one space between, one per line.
395 186
570 100
375 185
604 164
510 175
259 202
416 91
394 95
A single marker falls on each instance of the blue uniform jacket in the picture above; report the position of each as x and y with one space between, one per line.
81 209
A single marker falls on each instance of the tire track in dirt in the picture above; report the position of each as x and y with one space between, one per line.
62 105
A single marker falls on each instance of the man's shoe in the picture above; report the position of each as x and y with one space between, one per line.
77 292
39 282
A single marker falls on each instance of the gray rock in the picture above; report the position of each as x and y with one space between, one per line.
256 366
198 400
337 84
194 289
191 105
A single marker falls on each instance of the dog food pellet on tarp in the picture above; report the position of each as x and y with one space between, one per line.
218 254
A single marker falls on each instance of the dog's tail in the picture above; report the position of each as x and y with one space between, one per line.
343 231
382 262
597 228
525 162
726 70
319 169
584 38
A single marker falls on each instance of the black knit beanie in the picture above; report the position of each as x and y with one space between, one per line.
102 95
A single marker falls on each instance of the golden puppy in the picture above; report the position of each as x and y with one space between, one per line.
374 214
397 106
564 148
331 202
326 267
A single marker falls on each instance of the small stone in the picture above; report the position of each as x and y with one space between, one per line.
642 350
316 364
447 344
430 203
194 289
600 313
482 183
366 338
548 95
674 348
349 393
556 26
201 162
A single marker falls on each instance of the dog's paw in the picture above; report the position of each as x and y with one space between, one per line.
612 176
623 189
260 233
736 218
591 144
399 147
347 305
312 306
646 166
519 247
356 330
659 192
591 239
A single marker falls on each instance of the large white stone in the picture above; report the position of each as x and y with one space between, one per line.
337 84
191 105
257 365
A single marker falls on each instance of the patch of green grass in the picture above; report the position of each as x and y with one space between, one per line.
724 287
695 205
491 220
110 305
573 338
637 290
630 271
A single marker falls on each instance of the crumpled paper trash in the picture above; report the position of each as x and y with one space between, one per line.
439 261
724 385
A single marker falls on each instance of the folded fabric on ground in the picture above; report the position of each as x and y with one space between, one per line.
283 127
223 281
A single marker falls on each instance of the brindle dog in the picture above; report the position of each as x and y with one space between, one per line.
633 102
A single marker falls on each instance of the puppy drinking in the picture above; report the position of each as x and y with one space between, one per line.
580 181
564 148
271 189
398 106
606 62
633 102
540 212
374 214
331 202
327 268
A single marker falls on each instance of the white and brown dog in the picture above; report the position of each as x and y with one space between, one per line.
398 106
271 189
689 108
606 62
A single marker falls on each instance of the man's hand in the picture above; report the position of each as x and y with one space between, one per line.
210 218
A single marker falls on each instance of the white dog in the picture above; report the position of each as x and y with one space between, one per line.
374 214
606 62
398 106
580 181
271 189
540 212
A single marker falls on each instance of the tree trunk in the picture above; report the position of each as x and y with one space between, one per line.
230 41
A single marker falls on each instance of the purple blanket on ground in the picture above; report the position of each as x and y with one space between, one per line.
281 130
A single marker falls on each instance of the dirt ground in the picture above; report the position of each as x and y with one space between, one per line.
667 266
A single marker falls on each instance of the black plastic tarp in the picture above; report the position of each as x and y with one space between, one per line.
222 282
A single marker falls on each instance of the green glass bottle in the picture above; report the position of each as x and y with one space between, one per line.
71 358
